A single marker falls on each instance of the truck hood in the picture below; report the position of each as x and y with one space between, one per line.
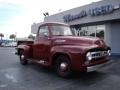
75 40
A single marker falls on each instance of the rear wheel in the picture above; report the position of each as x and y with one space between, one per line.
23 60
62 66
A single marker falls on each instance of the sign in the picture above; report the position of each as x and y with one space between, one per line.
98 11
101 10
69 17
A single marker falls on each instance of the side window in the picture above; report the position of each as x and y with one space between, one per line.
43 31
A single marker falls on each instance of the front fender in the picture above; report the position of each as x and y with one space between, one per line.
67 49
75 53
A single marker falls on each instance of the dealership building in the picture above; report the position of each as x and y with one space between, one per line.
98 19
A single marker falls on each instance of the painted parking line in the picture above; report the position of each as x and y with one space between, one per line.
3 85
10 77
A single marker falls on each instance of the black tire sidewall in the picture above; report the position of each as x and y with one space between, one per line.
60 60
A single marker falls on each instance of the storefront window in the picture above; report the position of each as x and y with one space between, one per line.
100 31
84 31
94 31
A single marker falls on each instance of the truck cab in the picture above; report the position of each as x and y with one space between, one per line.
56 46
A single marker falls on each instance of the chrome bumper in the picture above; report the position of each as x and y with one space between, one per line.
97 67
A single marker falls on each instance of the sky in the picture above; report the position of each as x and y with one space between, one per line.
17 16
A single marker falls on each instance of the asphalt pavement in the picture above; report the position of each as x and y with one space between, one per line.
14 76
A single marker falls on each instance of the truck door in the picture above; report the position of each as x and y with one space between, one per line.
41 48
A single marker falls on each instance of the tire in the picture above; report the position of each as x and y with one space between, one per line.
62 66
23 60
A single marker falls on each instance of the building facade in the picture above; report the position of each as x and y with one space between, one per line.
98 19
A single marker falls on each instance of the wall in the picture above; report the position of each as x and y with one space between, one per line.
88 19
115 39
34 28
108 34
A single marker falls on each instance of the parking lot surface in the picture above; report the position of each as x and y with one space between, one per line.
14 76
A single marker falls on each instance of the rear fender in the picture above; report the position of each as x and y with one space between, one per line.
26 50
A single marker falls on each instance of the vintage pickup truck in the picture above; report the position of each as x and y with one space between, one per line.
56 46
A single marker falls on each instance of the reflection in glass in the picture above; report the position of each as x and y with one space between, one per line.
93 31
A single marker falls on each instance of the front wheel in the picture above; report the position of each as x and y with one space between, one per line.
23 61
62 66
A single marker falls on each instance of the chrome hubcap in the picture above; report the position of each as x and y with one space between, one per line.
22 57
63 66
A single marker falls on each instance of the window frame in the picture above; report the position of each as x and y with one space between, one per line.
46 27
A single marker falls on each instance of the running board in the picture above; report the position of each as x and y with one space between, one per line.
43 62
37 61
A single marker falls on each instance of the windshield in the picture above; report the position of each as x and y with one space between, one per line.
61 30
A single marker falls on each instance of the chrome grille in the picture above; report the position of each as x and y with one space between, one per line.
99 54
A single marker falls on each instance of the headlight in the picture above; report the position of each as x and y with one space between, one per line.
109 52
88 56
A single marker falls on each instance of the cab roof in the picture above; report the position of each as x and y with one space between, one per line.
44 23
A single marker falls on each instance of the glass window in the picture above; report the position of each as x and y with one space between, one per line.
61 30
83 31
100 31
94 31
43 32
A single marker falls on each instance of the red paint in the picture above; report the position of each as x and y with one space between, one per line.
44 48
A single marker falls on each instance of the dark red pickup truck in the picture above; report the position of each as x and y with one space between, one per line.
57 47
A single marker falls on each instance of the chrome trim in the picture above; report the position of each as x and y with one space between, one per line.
97 67
22 56
63 66
99 54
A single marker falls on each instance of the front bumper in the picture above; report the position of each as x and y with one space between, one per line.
97 67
